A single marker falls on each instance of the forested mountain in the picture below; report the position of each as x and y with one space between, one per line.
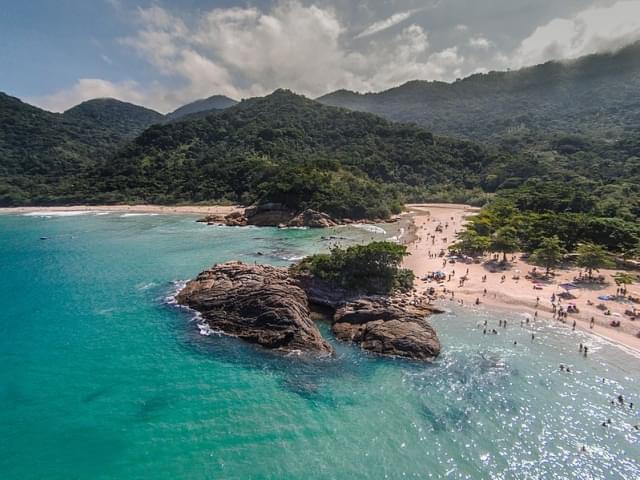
41 153
215 102
289 149
125 120
596 95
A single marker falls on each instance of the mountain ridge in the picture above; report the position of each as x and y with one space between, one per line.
551 97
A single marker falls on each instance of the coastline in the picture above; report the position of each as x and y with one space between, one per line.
143 208
419 223
512 295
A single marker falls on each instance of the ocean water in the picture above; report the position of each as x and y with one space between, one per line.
101 377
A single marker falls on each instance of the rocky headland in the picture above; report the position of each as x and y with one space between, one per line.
271 306
278 215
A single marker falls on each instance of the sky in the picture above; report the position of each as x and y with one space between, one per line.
163 54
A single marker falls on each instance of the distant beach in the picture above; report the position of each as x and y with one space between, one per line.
513 295
159 209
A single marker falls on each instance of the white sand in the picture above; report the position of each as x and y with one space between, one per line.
512 295
160 209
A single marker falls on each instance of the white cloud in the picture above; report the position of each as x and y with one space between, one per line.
243 52
381 25
480 43
591 30
88 88
106 59
311 49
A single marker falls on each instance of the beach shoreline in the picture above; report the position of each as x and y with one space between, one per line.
142 208
420 237
510 295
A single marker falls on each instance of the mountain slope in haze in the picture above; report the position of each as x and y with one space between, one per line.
596 95
289 149
125 120
215 102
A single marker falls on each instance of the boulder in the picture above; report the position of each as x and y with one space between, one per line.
257 303
235 219
268 214
312 218
384 327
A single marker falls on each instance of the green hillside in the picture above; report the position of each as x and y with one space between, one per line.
289 149
597 95
43 153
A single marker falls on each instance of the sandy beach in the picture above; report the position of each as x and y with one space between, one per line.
422 239
160 209
512 294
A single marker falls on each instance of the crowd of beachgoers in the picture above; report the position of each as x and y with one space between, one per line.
597 304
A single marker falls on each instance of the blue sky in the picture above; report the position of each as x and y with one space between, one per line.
56 53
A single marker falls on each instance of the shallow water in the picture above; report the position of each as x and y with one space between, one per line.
102 378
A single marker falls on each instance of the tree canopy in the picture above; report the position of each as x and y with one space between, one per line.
372 268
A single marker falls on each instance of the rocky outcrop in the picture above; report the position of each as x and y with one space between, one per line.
313 219
257 303
268 214
233 219
386 328
271 215
324 294
268 306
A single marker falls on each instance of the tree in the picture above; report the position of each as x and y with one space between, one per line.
373 268
471 243
623 278
631 252
549 254
592 257
505 240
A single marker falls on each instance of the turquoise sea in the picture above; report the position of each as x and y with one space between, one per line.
102 377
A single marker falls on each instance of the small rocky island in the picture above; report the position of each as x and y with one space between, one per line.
361 287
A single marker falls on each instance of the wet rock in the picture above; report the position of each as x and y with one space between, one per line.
386 328
257 303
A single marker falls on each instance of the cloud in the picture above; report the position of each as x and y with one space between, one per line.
88 88
479 43
591 30
381 25
310 48
242 52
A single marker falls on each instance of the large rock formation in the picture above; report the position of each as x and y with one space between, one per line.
311 218
257 303
268 214
271 215
266 305
386 328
